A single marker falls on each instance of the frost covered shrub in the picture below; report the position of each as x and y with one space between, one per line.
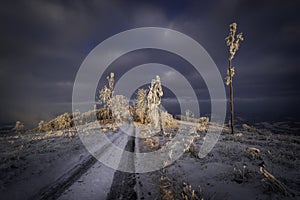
101 114
167 119
42 125
189 115
88 116
246 127
154 100
147 106
19 127
106 95
152 142
120 108
203 123
63 121
141 106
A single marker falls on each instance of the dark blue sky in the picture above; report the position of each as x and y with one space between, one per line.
43 44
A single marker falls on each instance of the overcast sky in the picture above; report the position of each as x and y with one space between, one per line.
43 44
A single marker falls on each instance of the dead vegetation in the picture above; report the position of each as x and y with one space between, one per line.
188 193
273 183
170 189
64 121
19 127
269 180
166 188
254 152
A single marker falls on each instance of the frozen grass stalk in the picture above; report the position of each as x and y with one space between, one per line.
233 42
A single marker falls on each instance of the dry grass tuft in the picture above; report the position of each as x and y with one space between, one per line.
253 150
166 189
246 127
188 193
274 184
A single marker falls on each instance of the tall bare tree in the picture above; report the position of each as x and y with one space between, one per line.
233 42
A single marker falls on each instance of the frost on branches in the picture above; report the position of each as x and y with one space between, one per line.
140 105
18 127
120 109
230 74
106 93
147 106
232 42
42 125
189 115
154 100
105 96
167 119
203 123
61 122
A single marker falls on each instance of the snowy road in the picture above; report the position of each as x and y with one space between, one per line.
56 167
123 183
93 180
95 183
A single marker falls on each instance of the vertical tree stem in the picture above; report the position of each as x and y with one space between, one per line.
231 99
160 121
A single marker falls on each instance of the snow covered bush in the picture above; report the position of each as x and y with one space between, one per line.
87 117
154 101
105 96
203 123
140 105
63 121
19 127
189 115
167 119
120 109
42 125
246 127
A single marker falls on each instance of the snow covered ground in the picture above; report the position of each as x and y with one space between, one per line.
96 182
55 164
31 162
231 171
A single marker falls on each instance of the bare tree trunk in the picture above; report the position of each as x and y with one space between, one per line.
231 99
160 121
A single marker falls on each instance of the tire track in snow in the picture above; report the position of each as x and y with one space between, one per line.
57 188
123 185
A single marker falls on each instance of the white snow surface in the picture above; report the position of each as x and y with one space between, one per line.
32 162
96 182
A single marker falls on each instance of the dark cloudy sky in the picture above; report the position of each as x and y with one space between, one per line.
43 44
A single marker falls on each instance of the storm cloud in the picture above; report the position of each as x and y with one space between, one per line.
43 44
